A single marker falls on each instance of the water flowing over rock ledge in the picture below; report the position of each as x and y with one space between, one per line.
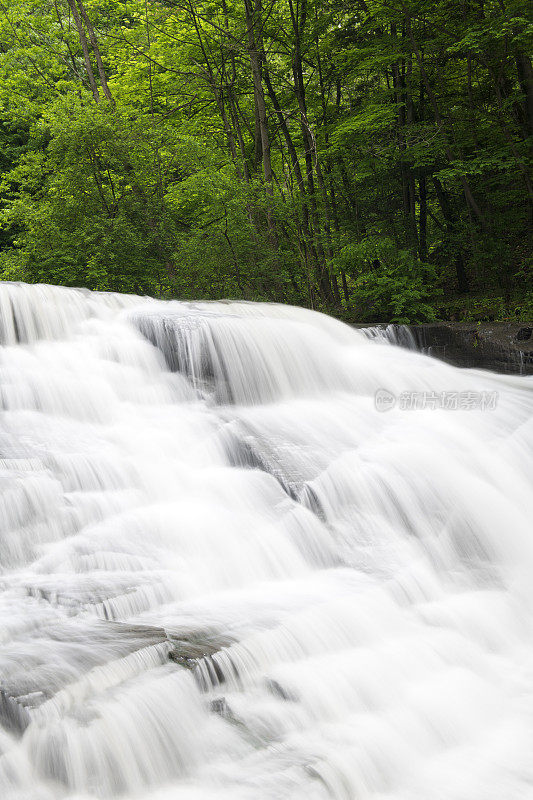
226 575
505 347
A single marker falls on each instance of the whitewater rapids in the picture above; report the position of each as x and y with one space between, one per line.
225 575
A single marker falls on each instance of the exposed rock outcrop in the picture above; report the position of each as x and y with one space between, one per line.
498 346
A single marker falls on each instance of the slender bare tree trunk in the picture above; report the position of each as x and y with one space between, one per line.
96 50
298 19
85 47
254 38
525 76
450 220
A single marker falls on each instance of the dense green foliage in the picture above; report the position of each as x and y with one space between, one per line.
371 157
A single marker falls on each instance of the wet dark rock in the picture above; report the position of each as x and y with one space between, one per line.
279 691
310 500
208 673
501 347
41 672
190 348
505 347
246 449
220 706
191 649
15 710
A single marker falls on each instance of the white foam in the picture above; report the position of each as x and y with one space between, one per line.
214 480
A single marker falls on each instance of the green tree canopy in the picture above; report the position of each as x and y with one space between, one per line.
371 158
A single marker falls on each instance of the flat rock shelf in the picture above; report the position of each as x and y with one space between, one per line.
505 347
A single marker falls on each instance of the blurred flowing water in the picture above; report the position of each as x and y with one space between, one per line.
226 576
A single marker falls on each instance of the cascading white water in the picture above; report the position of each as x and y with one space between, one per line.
226 576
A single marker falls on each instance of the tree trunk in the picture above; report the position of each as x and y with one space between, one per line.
85 47
295 164
450 155
423 218
254 36
450 220
96 50
525 76
298 18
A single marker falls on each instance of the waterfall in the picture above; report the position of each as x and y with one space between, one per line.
250 553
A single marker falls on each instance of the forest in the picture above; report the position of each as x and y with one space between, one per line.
368 158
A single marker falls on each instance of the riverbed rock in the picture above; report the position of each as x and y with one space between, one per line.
505 347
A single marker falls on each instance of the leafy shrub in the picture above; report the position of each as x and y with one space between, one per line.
389 284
